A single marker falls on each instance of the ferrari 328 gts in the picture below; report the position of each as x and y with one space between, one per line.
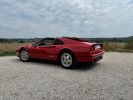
66 50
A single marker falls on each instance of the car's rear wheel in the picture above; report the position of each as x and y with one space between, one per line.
24 56
67 60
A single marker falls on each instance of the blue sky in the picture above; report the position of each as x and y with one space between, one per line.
54 18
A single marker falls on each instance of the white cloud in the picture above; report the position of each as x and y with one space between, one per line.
82 18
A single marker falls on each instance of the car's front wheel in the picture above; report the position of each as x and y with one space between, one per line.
67 60
24 56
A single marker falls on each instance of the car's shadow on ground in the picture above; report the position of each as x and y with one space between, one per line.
86 66
80 66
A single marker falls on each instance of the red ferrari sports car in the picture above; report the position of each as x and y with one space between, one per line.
68 51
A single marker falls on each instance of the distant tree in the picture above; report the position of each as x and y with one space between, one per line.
114 40
21 41
4 40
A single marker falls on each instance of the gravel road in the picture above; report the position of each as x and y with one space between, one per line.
109 79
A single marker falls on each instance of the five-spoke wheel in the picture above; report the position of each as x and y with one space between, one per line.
24 56
67 60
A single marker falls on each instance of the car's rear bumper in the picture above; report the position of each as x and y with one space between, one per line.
91 58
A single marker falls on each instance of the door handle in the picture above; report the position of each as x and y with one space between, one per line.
51 46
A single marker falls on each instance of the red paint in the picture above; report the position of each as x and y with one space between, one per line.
83 51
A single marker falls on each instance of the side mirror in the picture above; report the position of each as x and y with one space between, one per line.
34 45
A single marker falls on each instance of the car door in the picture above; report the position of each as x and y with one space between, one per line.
42 48
53 49
37 50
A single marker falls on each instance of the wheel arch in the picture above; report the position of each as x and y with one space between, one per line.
22 48
65 50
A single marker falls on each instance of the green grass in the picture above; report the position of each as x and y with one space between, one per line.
7 53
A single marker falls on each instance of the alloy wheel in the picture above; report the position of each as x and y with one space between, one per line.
66 60
24 56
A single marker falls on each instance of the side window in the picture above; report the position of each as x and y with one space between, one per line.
58 42
46 42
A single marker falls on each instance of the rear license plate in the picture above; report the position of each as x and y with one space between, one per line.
97 46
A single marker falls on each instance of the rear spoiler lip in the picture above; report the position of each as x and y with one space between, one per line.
92 43
98 44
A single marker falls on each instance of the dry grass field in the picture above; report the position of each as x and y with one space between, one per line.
114 46
6 47
9 48
118 47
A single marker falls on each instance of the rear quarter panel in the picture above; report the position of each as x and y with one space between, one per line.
78 49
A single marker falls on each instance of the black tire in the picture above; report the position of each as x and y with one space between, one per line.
73 61
24 56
